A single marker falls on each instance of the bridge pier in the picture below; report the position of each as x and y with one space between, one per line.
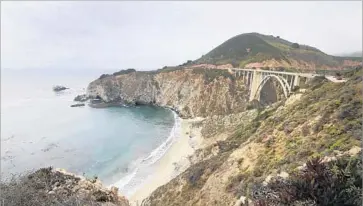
256 80
296 81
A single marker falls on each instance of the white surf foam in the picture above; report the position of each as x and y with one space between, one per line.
128 184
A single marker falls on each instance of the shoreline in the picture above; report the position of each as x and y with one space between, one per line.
173 162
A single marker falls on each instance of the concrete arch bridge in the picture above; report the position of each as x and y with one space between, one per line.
256 79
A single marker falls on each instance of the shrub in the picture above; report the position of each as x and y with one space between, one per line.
254 104
126 71
32 190
295 45
305 130
104 76
335 183
296 88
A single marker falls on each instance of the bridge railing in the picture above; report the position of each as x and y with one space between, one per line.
278 72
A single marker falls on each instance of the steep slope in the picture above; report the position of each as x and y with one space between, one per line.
190 92
323 121
258 50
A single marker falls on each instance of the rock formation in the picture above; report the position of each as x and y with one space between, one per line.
81 98
58 88
78 105
190 92
49 186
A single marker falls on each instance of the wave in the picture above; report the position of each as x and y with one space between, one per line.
126 179
157 153
126 184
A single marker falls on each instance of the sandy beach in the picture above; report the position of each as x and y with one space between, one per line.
173 162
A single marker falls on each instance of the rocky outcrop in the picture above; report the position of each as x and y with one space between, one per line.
191 91
49 186
58 88
81 98
78 105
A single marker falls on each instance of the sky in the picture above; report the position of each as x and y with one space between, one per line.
149 35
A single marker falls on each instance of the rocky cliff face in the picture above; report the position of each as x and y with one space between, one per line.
253 147
191 92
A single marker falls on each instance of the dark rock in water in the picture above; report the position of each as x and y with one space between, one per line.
81 98
96 101
78 105
58 88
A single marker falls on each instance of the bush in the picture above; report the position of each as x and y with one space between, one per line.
295 45
211 74
335 183
104 76
33 189
189 62
254 104
305 130
296 88
127 71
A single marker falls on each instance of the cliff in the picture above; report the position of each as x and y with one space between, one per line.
302 151
249 148
191 92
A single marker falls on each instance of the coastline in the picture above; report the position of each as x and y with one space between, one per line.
173 162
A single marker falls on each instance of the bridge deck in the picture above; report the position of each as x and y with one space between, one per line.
309 75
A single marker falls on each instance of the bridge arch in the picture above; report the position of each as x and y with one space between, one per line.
283 82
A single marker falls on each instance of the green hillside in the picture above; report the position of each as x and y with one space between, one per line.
254 47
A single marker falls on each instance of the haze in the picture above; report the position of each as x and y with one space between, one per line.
149 35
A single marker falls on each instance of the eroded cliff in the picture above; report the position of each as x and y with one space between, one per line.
191 92
261 159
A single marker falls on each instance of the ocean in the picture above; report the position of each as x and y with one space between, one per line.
119 145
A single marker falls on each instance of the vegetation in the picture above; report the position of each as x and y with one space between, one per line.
211 74
326 120
334 183
169 69
126 71
295 45
45 187
253 47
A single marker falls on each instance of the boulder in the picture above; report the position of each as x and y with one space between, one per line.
58 88
81 98
78 105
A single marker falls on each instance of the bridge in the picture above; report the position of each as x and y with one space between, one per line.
256 79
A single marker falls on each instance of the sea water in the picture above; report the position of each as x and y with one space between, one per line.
119 145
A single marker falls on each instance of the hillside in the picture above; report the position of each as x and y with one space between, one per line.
302 151
258 50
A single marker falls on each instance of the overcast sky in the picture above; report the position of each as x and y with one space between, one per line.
149 35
